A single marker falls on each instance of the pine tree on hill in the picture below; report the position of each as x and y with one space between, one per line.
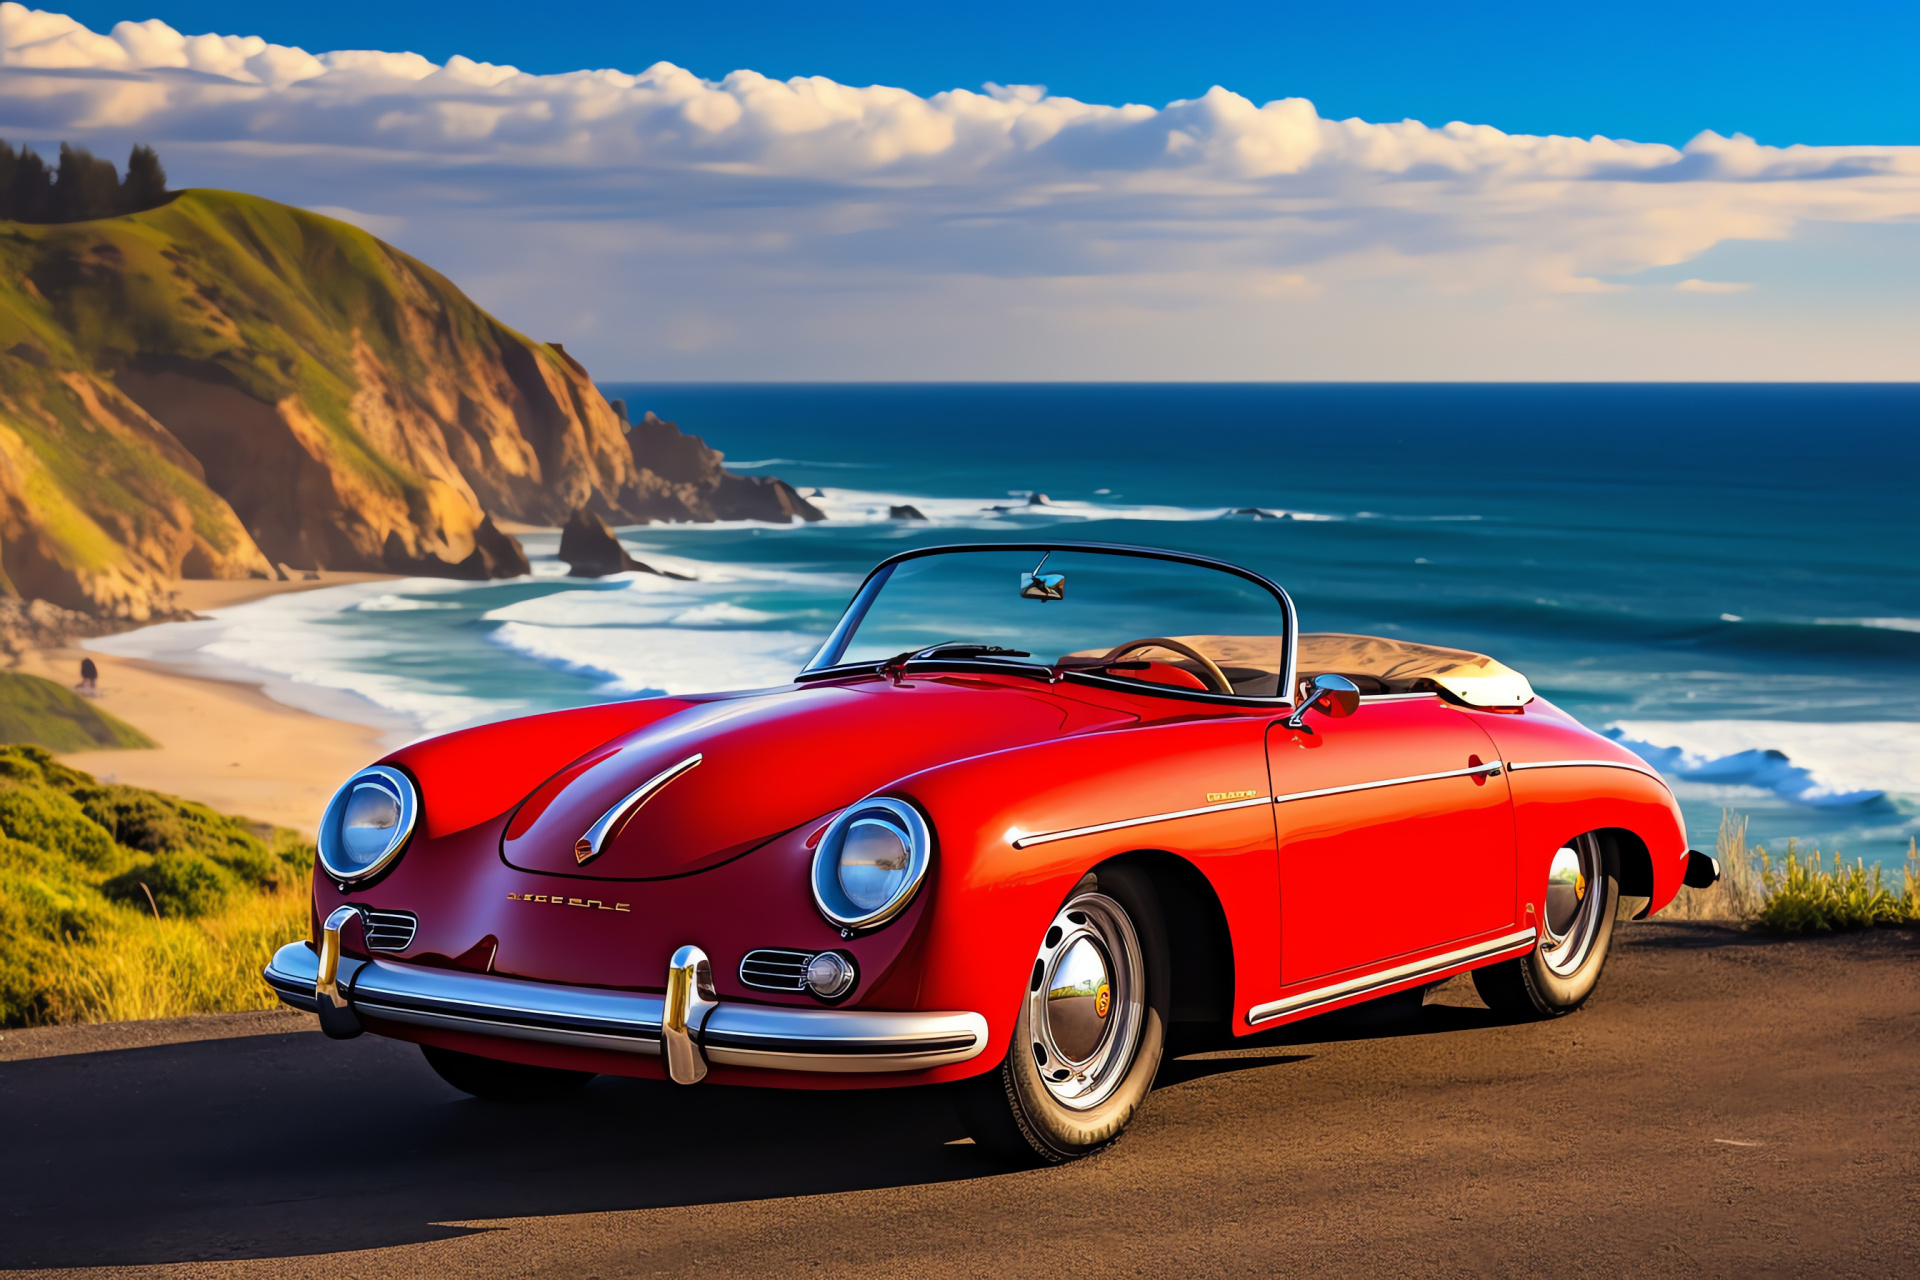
145 185
85 186
26 188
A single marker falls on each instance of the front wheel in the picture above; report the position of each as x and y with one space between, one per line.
1090 1033
1557 976
500 1081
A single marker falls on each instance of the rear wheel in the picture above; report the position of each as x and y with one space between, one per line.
501 1081
1583 895
1090 1033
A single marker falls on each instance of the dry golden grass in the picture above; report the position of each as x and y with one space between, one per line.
154 968
1741 892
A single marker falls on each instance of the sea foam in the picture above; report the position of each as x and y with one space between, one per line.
293 648
1823 765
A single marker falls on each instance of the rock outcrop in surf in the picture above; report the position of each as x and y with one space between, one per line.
223 384
589 550
693 478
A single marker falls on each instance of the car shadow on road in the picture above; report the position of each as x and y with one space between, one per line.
272 1146
1694 935
1395 1016
293 1144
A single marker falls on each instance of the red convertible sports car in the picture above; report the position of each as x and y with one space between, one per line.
1033 813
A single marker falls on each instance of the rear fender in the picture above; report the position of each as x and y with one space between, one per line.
1635 813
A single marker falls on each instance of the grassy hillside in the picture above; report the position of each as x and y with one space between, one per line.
117 902
41 713
223 382
270 300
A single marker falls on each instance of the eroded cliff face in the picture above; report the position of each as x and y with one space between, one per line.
223 383
100 506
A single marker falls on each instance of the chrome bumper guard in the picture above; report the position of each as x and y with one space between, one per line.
769 1037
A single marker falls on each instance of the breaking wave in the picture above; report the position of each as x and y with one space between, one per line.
1823 765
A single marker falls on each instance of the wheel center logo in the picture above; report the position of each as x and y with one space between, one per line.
1102 1000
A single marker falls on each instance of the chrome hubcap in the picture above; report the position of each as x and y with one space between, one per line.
1085 1001
1573 905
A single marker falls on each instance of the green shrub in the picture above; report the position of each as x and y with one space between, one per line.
1807 898
40 815
120 902
182 885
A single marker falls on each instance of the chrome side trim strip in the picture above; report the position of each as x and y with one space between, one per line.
1338 991
1479 770
1048 837
1647 769
588 846
769 1037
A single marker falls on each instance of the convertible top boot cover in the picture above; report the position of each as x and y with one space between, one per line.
1377 665
1401 666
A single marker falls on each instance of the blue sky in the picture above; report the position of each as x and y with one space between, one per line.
1838 73
1630 192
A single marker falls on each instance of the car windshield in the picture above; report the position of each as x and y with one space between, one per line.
1102 614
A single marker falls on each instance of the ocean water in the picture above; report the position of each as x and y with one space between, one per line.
1726 578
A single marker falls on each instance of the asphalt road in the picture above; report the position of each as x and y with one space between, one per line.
1726 1105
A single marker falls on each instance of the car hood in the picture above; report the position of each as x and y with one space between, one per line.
765 765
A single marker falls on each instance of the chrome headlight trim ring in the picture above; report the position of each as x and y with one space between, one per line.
831 899
389 779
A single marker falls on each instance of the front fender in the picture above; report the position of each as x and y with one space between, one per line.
993 897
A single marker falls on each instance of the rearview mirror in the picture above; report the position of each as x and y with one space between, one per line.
1043 586
1330 695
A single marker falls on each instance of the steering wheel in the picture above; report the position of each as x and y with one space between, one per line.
1210 672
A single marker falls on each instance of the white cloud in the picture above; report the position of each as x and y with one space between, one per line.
754 227
1711 286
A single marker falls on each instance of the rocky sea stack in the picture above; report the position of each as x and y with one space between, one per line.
222 384
590 550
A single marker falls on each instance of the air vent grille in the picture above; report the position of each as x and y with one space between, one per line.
390 930
776 969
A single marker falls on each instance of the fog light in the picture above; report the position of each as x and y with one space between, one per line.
829 974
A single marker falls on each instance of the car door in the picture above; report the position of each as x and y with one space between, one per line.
1394 831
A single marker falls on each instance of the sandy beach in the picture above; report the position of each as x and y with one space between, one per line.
223 743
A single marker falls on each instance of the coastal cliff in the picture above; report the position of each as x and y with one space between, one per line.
222 385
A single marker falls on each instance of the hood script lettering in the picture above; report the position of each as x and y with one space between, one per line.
561 900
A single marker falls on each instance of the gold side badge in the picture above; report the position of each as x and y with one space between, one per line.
1215 797
561 900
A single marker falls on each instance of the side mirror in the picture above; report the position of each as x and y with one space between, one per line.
1043 586
1330 695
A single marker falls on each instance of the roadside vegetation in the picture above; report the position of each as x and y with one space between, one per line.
39 712
122 903
1798 892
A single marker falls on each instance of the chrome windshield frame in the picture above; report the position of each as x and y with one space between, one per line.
826 660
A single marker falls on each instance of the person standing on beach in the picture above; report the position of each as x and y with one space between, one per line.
89 676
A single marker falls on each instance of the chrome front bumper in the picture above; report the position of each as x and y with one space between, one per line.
769 1037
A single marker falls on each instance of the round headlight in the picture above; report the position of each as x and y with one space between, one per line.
869 863
367 823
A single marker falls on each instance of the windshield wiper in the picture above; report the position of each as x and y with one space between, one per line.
964 651
952 652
